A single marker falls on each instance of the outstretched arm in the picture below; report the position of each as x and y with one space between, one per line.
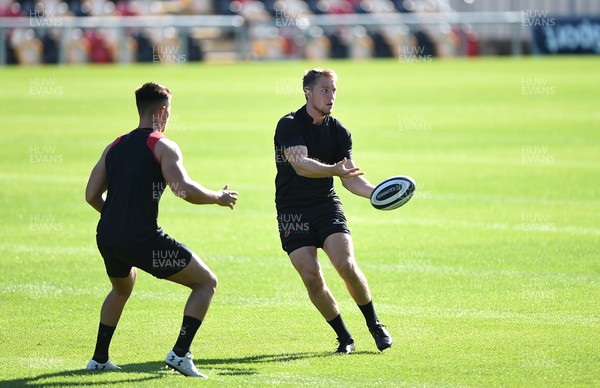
171 161
97 183
310 168
358 185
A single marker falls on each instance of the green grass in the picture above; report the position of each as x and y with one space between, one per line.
489 276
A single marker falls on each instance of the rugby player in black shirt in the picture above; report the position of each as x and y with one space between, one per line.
312 147
135 170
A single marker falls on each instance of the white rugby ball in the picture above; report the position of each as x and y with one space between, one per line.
393 192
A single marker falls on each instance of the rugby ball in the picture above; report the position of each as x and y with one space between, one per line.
393 192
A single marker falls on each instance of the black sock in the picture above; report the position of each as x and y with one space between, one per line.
369 312
189 327
338 325
105 334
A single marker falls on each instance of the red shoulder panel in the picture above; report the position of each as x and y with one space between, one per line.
114 143
151 142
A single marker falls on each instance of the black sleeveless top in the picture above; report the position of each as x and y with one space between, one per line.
135 186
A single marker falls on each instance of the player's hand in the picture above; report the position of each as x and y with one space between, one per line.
342 171
227 197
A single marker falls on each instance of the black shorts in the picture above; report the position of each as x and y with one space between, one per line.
311 225
162 256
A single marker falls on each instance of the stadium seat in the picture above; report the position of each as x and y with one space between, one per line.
28 48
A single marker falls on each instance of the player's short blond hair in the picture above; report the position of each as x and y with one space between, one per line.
312 76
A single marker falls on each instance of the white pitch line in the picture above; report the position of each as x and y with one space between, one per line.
479 225
509 316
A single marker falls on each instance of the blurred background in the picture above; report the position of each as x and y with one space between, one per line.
179 31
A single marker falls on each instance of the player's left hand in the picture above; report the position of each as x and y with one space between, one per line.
344 171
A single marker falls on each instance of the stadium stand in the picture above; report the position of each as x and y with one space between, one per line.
275 29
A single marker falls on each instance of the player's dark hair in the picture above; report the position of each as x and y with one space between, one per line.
149 96
312 76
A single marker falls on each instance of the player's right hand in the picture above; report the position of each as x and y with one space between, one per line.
227 197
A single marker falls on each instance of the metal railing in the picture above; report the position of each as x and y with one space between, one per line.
69 23
241 27
514 20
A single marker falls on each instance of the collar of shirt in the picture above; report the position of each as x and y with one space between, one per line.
305 118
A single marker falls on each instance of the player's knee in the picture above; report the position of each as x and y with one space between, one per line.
213 281
207 282
122 288
347 269
314 282
122 292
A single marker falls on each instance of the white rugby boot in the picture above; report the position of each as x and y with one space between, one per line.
107 366
183 365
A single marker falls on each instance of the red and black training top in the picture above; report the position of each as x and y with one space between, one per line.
135 186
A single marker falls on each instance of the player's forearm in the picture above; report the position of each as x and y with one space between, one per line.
195 193
310 168
359 186
96 202
93 196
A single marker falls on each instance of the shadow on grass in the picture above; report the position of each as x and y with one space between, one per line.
77 377
130 373
223 364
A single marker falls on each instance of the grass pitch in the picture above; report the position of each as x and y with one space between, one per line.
489 276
